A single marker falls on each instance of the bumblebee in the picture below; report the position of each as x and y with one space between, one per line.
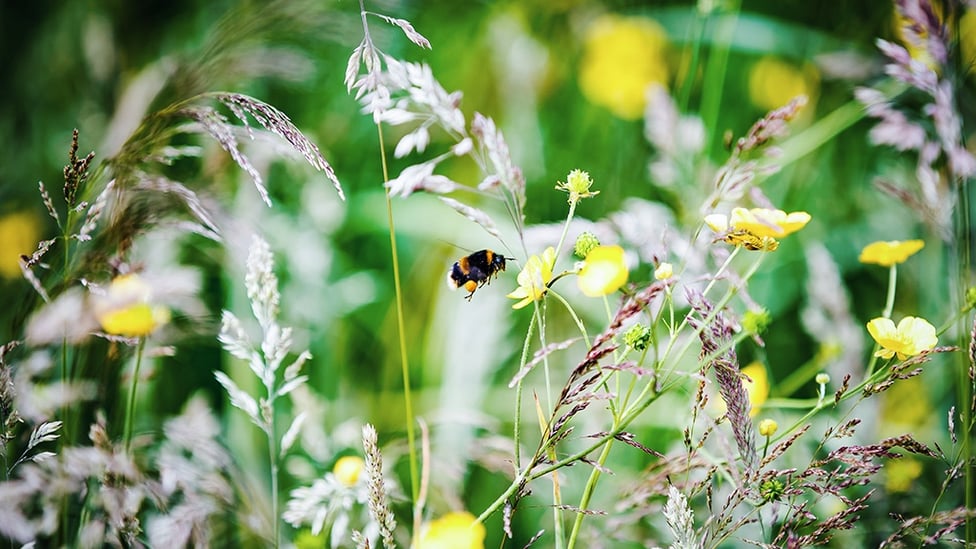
475 270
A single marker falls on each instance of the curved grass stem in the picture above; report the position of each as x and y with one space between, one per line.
402 337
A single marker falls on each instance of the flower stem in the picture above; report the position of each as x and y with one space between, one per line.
518 393
588 493
131 405
273 471
889 307
892 284
401 329
569 217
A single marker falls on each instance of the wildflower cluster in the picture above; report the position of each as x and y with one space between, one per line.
658 396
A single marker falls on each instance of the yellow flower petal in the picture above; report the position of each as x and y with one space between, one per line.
664 271
534 278
765 222
604 271
126 310
717 222
891 252
456 530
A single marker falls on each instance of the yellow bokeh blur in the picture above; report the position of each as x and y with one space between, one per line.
19 233
621 57
455 530
774 82
967 40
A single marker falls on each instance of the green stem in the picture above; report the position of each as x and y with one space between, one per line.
572 313
715 70
817 134
131 405
890 299
694 38
401 332
273 471
588 493
889 307
708 287
569 217
518 392
798 378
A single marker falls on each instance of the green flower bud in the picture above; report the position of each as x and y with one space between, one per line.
637 337
755 322
585 243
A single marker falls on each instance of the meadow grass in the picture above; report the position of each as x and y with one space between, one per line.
731 351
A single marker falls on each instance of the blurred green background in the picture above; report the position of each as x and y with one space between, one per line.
100 65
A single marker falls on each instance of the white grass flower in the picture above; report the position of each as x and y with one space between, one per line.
681 521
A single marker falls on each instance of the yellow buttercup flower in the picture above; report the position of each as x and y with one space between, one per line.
534 278
773 82
126 309
759 222
758 228
19 232
765 222
455 530
603 272
621 57
912 336
891 252
347 470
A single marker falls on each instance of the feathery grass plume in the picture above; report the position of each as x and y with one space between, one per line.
740 171
827 315
103 474
265 361
681 521
906 369
95 213
715 335
400 93
37 399
842 469
278 123
194 487
918 527
379 504
972 358
75 172
933 131
676 137
205 224
9 417
588 373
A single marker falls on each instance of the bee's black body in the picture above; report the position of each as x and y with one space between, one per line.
475 270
